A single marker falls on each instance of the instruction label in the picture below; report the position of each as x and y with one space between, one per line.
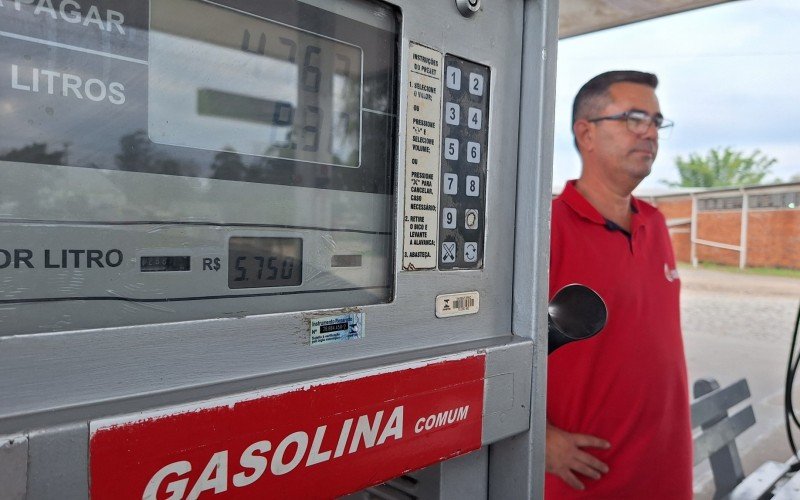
423 138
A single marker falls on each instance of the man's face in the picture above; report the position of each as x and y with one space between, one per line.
615 148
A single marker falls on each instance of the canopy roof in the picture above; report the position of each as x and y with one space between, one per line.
577 17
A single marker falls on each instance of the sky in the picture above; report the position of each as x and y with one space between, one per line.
729 75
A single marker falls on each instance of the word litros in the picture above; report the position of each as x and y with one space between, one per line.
37 80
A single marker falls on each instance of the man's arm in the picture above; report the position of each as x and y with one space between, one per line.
564 456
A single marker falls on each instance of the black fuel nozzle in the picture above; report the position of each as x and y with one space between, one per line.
576 313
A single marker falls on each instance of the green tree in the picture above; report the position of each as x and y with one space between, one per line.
721 168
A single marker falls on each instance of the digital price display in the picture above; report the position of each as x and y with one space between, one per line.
273 90
191 152
256 262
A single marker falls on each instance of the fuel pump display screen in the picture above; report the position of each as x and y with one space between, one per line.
273 90
263 262
179 160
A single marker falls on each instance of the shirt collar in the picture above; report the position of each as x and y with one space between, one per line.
575 200
579 204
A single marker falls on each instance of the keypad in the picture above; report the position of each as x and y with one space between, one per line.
464 151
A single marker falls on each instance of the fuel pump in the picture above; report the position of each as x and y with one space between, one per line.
274 249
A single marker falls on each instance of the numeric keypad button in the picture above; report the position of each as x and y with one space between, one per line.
450 184
451 149
473 185
474 152
471 219
475 84
475 118
449 218
452 113
453 78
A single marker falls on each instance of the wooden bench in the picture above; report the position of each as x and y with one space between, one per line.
716 442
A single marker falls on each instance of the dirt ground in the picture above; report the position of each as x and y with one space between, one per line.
739 326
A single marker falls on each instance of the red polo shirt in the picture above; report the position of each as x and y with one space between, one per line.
627 384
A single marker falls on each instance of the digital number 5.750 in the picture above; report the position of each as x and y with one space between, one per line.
263 268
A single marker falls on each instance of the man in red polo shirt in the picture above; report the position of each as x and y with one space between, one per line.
618 403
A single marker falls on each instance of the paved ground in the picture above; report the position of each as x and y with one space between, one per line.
736 326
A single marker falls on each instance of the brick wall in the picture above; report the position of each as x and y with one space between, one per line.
675 208
723 226
678 208
719 227
773 238
773 235
682 244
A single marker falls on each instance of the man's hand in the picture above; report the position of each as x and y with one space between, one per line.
564 456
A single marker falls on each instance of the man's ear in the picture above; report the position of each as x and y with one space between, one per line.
584 134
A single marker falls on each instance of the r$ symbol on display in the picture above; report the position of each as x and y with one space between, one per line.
210 264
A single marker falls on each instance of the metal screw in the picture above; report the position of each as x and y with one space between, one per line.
468 8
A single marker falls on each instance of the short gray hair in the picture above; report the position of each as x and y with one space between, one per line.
594 96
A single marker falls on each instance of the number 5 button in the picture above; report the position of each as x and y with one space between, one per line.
451 149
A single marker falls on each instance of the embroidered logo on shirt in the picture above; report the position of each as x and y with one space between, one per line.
670 274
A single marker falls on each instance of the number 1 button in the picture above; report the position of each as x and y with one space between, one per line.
453 78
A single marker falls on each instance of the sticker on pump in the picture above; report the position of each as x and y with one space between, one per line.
457 304
331 329
423 130
318 439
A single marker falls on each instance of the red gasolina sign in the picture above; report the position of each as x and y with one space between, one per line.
319 439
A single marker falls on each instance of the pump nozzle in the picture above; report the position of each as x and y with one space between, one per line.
576 313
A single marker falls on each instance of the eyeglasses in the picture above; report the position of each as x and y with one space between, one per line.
639 122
